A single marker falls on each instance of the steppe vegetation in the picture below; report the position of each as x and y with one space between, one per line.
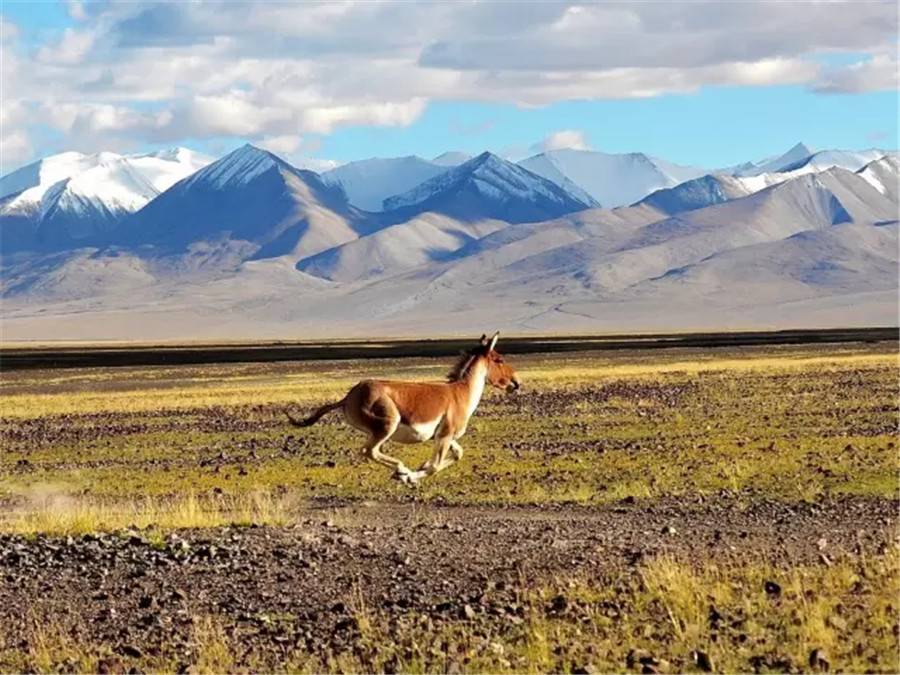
642 511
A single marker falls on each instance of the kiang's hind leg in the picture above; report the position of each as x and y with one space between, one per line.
382 420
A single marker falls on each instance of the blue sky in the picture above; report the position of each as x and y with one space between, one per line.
326 81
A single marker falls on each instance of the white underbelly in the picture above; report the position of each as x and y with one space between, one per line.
415 433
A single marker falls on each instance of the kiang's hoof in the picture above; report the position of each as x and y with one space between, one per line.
411 478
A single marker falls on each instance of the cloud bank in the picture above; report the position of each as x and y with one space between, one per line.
162 72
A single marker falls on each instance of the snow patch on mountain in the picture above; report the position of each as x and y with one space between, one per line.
610 180
883 174
827 159
369 182
777 164
697 193
493 180
73 197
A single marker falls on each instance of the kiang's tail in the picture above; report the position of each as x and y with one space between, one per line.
316 416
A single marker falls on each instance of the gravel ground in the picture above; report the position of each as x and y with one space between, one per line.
141 594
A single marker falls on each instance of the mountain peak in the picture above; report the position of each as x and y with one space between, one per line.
237 167
609 179
486 159
488 186
801 148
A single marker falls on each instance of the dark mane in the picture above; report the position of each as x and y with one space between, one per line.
461 368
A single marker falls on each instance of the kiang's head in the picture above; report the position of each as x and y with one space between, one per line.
499 373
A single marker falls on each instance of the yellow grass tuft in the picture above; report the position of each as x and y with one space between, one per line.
62 514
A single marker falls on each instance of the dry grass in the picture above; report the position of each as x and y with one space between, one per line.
665 611
51 512
787 423
223 387
671 611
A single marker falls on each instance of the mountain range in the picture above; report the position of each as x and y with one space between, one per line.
175 245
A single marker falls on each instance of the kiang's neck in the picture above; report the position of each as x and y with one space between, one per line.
474 383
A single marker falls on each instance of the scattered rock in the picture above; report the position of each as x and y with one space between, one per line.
639 656
837 622
131 650
587 669
703 661
558 605
818 660
773 589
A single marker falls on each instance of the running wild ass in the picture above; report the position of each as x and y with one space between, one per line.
412 412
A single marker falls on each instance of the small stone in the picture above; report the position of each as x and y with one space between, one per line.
836 622
703 661
559 604
818 659
636 656
772 588
587 669
132 651
468 612
668 529
822 543
825 560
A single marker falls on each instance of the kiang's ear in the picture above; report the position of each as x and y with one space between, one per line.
494 338
484 340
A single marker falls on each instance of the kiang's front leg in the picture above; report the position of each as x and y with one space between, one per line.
435 464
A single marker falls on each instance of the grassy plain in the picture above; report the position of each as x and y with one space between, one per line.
160 448
789 423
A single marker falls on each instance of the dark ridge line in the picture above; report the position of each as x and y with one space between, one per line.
24 358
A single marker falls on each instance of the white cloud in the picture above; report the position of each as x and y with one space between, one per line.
8 30
164 71
568 138
76 10
71 49
16 149
280 145
880 73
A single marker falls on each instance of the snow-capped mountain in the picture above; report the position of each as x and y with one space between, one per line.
697 193
40 175
71 198
251 201
611 180
802 159
370 181
250 245
883 174
485 187
777 164
827 159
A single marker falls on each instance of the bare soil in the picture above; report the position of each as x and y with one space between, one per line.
302 586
